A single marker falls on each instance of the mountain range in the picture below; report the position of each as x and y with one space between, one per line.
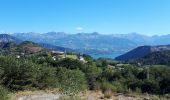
95 44
5 38
7 42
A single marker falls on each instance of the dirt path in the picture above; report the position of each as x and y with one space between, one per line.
89 95
40 97
35 95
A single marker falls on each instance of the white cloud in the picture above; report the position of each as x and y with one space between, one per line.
79 28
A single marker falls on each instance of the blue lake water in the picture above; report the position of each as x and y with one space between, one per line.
104 55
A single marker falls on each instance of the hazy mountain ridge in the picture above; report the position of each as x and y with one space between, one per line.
5 38
9 42
95 43
89 43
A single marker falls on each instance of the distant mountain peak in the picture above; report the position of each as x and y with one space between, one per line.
55 33
94 33
8 38
134 33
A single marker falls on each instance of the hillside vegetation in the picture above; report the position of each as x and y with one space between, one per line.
142 51
155 58
37 70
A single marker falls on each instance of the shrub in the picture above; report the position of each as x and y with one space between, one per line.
150 86
120 88
46 77
3 93
97 85
106 86
71 81
164 85
70 63
17 75
24 74
92 72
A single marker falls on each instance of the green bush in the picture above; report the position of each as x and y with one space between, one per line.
24 74
106 86
92 73
3 93
46 77
70 64
120 87
17 75
150 86
71 81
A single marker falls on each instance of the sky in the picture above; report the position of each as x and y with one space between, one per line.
149 17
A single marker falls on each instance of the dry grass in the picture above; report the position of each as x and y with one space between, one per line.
15 96
108 94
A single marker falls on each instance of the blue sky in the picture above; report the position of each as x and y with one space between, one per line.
72 16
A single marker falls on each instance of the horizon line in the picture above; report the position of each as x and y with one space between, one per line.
86 33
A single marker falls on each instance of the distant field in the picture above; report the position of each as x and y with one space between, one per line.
70 56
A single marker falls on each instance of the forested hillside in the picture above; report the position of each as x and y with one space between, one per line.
158 58
142 51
